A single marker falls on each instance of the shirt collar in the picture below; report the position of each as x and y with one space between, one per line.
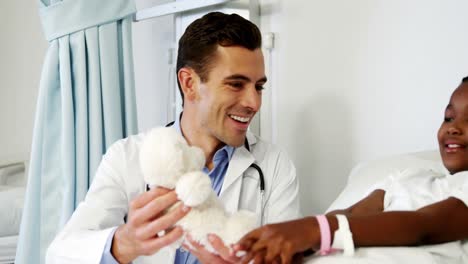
229 151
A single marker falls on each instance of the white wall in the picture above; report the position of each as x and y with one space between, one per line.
154 72
22 50
359 80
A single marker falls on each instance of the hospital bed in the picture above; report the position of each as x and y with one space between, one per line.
12 190
360 182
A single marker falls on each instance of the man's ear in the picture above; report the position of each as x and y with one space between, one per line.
188 80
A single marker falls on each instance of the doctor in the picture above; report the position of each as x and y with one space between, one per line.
220 71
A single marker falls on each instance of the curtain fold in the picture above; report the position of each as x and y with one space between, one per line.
86 102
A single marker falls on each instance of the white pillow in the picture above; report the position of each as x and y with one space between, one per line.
13 174
366 174
11 208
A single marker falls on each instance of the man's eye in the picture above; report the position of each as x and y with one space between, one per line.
259 88
448 119
236 85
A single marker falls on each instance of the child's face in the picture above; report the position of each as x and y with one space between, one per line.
453 133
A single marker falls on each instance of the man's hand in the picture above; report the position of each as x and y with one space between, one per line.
146 218
226 255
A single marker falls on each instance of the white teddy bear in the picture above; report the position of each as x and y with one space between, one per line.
167 160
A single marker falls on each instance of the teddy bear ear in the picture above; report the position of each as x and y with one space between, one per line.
195 159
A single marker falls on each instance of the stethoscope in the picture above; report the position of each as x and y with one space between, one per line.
260 177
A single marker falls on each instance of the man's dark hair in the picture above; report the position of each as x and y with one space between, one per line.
465 79
198 44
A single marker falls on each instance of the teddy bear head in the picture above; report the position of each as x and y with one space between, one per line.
165 156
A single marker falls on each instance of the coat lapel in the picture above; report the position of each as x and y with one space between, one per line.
239 163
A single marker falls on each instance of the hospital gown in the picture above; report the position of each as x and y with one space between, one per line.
412 189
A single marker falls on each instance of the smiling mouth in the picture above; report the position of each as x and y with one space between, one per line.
451 148
240 119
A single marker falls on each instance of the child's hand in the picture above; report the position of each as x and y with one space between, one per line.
278 243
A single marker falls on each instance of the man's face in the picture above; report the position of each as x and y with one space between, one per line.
453 133
232 94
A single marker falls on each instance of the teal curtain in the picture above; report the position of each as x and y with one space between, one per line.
86 102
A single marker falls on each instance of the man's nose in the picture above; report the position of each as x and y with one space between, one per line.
252 98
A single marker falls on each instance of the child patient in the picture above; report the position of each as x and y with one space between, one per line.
437 203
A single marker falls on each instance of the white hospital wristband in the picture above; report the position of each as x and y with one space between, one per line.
343 238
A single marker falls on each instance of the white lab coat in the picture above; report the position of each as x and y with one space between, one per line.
119 180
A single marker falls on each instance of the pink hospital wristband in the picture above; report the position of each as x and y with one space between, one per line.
325 235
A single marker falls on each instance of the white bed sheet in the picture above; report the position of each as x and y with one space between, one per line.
8 249
449 253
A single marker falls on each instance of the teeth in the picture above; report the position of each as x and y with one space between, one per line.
240 119
453 145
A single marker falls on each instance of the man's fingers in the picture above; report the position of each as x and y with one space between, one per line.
164 222
203 255
225 252
152 246
193 244
154 208
161 203
161 191
197 249
147 197
218 244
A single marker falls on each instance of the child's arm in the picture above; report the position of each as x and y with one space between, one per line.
437 223
373 203
440 222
